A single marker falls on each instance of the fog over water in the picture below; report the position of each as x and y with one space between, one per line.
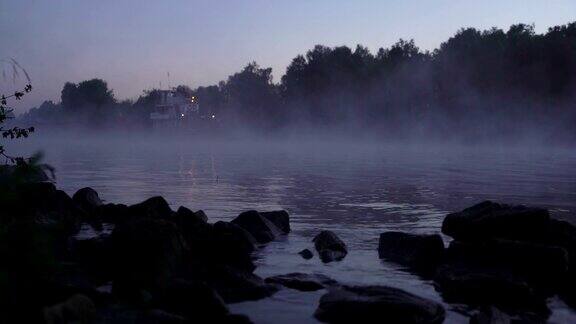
358 189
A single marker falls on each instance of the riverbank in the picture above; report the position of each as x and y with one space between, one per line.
148 262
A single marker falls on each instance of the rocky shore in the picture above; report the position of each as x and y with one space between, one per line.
151 264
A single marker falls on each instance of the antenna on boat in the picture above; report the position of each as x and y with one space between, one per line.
169 85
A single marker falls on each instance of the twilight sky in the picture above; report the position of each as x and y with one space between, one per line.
132 44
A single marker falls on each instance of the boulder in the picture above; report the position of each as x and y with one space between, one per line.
237 286
329 246
490 315
494 220
377 304
302 281
222 244
193 226
148 253
87 199
415 250
111 213
542 266
306 254
260 227
280 218
43 204
563 234
184 214
153 208
233 246
487 286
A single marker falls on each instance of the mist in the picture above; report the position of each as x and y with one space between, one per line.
488 86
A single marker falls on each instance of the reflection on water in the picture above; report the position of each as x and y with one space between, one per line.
357 191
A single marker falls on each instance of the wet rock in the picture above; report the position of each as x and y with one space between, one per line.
147 254
111 213
43 204
563 234
542 266
153 208
87 199
302 281
184 214
494 220
222 244
280 218
329 246
415 250
193 300
490 315
306 254
492 286
260 227
233 246
377 304
237 286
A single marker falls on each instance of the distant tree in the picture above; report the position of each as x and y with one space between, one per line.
88 94
184 90
211 100
251 97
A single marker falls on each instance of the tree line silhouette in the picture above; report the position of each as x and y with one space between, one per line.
476 84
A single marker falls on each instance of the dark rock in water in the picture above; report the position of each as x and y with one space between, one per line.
193 300
153 208
87 198
261 228
192 225
280 218
147 254
563 234
184 214
541 266
111 213
489 286
493 220
43 204
235 235
222 244
302 281
490 315
306 254
377 304
237 286
329 246
202 215
418 251
232 246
